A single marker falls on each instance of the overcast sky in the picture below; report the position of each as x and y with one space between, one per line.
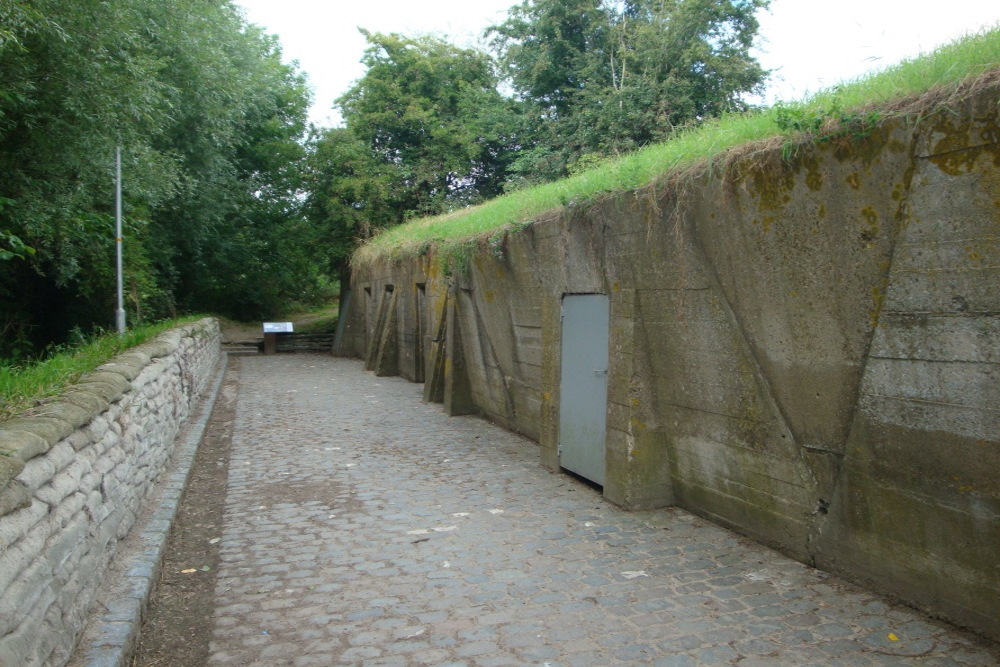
811 44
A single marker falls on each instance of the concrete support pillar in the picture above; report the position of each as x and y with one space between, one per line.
551 356
637 463
457 390
434 386
387 356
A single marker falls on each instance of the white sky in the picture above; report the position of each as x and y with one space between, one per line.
811 44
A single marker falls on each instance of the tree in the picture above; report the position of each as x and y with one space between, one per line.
222 239
548 49
63 67
602 79
348 196
211 125
431 116
426 132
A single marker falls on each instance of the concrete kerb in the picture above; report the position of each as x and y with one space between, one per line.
112 638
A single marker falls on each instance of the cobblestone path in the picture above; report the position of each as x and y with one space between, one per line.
364 527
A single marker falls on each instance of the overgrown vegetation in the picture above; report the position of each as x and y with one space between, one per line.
25 385
322 320
428 132
231 207
212 127
602 78
852 107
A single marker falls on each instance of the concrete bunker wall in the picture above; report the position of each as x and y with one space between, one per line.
805 350
74 475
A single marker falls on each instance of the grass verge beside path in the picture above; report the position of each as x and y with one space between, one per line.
322 319
841 109
24 386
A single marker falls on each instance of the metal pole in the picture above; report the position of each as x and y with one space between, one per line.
120 313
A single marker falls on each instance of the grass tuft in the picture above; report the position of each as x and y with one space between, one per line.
25 386
944 74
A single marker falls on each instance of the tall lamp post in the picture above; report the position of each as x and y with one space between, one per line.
120 312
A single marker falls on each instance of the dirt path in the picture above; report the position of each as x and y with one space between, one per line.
177 623
176 629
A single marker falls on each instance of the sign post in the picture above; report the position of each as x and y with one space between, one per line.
271 331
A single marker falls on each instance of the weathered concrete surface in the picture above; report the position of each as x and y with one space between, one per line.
364 527
802 349
73 476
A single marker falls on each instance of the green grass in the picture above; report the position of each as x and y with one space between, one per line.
866 99
319 320
22 387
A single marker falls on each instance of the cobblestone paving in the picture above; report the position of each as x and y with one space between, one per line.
364 527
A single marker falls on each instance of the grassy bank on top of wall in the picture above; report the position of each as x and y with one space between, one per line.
853 106
23 386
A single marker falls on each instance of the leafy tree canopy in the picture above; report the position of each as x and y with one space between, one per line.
430 112
426 129
602 78
211 125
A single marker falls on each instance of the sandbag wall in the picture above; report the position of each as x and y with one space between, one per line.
804 345
74 474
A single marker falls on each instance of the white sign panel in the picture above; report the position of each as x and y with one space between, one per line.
278 327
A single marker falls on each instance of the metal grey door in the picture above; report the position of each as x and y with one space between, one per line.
583 389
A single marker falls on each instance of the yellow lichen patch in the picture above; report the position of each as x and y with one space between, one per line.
434 269
814 178
821 211
951 152
956 152
772 183
488 296
897 146
854 180
869 148
871 216
959 161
